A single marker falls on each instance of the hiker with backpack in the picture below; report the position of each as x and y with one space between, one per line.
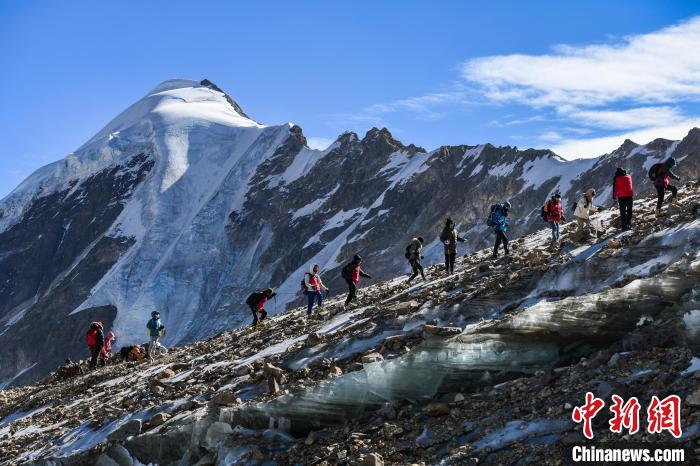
256 302
498 220
660 173
95 339
449 238
413 254
351 273
553 213
313 285
582 212
155 330
624 193
105 354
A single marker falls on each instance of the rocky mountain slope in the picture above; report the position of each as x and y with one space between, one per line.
485 364
184 204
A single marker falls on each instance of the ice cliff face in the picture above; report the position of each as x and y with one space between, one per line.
184 204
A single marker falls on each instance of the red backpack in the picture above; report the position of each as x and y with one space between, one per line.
91 337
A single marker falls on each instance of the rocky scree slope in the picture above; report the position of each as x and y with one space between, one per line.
484 364
184 204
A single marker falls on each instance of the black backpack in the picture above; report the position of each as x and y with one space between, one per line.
346 272
408 251
654 171
304 290
573 206
543 212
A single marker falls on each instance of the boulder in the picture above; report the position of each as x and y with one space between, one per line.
273 387
373 459
372 357
437 409
159 419
693 399
441 331
167 373
157 390
243 370
273 371
314 339
182 366
128 429
225 398
404 307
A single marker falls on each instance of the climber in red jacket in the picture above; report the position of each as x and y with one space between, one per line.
624 193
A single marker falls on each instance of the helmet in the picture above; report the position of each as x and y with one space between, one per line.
269 291
155 313
357 258
671 162
420 238
557 195
506 205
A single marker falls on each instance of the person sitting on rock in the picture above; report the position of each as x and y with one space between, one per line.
660 173
351 273
95 339
499 219
314 285
69 369
256 302
554 214
413 254
449 238
105 354
155 330
582 213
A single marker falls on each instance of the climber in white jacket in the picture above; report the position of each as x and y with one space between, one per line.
583 211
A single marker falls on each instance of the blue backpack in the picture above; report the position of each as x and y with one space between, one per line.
495 215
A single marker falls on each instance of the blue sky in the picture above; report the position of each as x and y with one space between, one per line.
578 77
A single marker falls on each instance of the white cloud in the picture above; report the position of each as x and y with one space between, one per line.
641 117
593 147
634 87
423 107
662 66
319 143
550 136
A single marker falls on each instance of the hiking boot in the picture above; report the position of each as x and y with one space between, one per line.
659 213
674 201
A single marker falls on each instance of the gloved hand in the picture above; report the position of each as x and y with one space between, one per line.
161 327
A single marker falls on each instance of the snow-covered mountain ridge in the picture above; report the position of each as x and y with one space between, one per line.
184 204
